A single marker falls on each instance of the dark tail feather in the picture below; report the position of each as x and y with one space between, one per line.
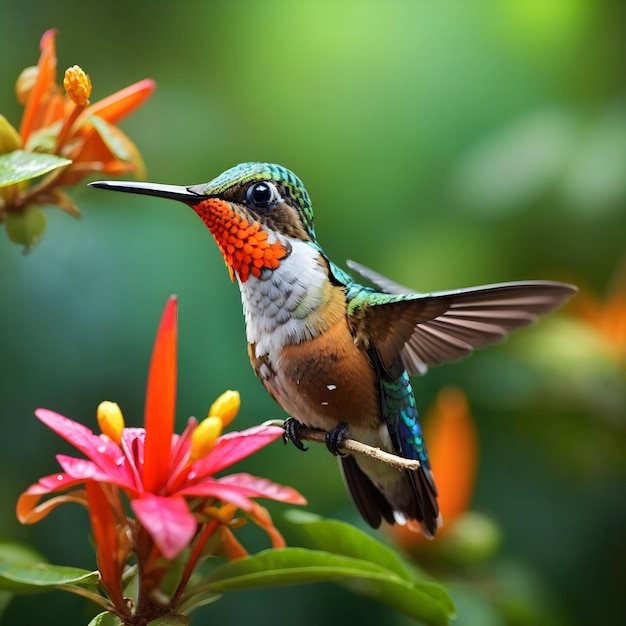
418 499
370 502
426 510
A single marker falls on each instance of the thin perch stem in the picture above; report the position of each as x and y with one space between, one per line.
356 447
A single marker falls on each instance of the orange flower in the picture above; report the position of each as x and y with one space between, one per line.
61 139
453 450
606 319
68 120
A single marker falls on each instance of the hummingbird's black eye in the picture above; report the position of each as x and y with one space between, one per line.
262 195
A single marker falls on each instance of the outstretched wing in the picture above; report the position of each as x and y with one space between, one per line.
432 328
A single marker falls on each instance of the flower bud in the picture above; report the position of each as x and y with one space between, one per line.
204 437
226 407
77 85
25 83
26 227
110 420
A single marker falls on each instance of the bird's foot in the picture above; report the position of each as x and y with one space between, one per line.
291 426
335 437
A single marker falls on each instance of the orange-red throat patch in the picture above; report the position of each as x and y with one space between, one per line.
243 244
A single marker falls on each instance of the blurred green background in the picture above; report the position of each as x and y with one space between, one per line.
444 143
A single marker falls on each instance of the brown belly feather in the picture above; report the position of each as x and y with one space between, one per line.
324 381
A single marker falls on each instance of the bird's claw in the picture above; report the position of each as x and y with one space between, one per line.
291 426
335 437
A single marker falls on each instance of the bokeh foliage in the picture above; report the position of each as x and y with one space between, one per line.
444 143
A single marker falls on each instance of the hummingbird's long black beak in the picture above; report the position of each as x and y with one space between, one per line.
188 195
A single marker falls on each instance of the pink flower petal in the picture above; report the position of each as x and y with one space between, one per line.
79 469
233 494
263 488
133 445
82 469
179 464
100 450
53 482
234 447
168 521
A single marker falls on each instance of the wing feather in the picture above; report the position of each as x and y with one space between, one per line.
433 328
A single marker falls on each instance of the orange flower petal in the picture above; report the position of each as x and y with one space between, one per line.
77 172
28 512
43 88
232 546
453 449
262 518
118 105
161 400
105 539
607 319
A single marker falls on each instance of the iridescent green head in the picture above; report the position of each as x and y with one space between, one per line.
245 208
264 189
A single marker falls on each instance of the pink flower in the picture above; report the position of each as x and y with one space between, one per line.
168 478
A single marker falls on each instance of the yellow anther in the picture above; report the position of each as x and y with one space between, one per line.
204 437
226 407
224 514
77 85
110 420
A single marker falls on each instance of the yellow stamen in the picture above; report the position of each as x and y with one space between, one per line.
77 85
226 407
224 514
110 420
204 437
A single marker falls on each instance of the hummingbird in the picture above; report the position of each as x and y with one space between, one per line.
337 355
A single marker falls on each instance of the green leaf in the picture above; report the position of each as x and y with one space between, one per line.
38 577
105 619
19 553
26 227
287 566
15 553
19 166
423 601
341 538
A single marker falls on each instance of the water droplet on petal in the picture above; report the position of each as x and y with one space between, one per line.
101 449
59 477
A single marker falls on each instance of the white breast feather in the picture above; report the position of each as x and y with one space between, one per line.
277 304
